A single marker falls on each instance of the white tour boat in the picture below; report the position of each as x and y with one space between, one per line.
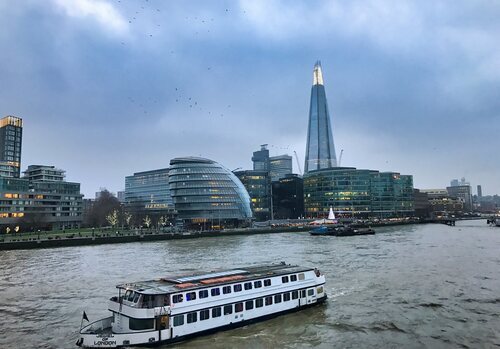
172 309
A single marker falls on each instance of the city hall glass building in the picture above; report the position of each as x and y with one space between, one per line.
354 193
206 194
320 150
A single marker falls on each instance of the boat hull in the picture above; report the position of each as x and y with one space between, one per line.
152 338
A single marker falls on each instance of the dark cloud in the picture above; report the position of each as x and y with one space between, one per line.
108 88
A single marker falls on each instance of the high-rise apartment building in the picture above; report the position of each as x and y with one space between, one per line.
11 134
320 150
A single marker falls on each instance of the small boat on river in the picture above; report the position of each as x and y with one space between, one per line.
174 308
341 230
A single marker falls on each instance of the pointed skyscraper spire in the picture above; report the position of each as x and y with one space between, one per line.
320 151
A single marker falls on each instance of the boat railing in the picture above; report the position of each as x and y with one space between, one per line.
97 326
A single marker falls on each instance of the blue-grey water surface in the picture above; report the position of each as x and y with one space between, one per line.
411 286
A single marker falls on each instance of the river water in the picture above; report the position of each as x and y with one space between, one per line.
410 286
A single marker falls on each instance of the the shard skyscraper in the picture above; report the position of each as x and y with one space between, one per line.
320 151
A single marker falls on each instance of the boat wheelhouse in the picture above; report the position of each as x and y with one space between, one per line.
175 308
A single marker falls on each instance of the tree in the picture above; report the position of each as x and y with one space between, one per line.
112 218
162 221
127 217
104 205
147 221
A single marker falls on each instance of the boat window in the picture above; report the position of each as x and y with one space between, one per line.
192 317
237 288
190 296
310 292
140 324
284 279
259 302
216 312
228 309
267 282
177 298
248 305
238 307
131 296
257 284
203 293
286 297
295 294
303 294
215 291
136 297
319 289
178 320
226 289
248 285
127 294
204 314
269 300
293 277
277 298
301 276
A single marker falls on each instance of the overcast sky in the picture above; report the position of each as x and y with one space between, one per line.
108 88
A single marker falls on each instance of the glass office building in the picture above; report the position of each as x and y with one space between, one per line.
354 193
258 186
11 134
280 166
207 194
320 150
147 193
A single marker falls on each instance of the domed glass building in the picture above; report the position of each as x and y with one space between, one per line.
207 194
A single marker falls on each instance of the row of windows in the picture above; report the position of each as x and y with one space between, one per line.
238 307
177 298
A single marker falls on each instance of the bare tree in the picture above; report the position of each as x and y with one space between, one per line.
112 218
147 221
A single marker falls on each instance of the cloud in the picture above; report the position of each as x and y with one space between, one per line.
102 12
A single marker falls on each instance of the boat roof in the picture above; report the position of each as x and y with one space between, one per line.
185 282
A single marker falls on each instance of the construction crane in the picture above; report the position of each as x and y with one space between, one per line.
298 162
340 157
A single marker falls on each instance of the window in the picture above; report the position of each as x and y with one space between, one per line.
293 278
259 302
178 320
319 289
310 292
301 276
204 314
267 282
140 324
228 309
269 300
192 317
136 297
303 294
257 284
238 307
295 294
215 292
226 289
216 312
248 285
177 298
284 279
237 288
286 297
249 305
203 294
277 298
190 296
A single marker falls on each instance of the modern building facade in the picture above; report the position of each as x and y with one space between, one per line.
260 159
357 193
11 134
320 149
288 197
207 195
41 200
442 204
462 192
147 193
280 166
258 186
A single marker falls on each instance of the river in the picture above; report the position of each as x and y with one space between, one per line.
410 286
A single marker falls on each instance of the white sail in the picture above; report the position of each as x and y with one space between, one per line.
331 215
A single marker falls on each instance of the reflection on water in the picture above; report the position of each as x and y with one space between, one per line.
413 286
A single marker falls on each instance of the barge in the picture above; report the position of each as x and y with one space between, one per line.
175 308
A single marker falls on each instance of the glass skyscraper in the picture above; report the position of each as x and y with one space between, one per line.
320 151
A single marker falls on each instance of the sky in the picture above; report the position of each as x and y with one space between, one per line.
107 88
